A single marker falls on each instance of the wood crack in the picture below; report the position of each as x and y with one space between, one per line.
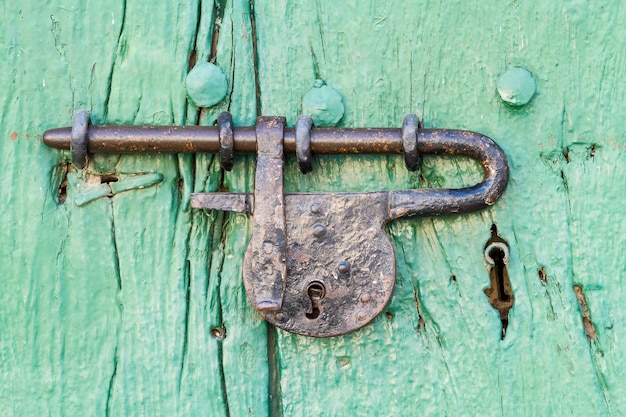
255 57
233 62
590 332
116 254
587 324
118 277
275 400
275 396
218 13
194 52
421 325
220 317
185 349
111 383
117 54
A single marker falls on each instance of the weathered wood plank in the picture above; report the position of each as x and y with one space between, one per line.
121 306
116 307
438 351
244 349
150 232
592 165
59 307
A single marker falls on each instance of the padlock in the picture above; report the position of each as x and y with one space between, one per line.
317 264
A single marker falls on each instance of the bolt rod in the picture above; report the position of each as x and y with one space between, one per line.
191 139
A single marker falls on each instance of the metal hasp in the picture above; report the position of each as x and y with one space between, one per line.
317 264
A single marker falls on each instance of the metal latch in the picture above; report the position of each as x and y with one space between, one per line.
317 264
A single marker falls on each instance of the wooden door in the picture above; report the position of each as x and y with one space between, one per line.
133 304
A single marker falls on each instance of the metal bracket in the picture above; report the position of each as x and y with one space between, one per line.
318 264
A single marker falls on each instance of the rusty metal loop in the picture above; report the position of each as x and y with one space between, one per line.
79 138
226 138
437 201
410 127
303 143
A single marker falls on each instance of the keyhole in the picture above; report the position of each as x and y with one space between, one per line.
316 292
499 269
499 293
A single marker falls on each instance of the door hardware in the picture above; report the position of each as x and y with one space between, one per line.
499 293
317 264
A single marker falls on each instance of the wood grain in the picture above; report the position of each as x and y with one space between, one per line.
437 351
115 308
134 304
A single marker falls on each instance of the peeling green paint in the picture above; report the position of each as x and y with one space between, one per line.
135 182
112 307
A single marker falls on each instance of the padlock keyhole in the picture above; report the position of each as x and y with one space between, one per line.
316 293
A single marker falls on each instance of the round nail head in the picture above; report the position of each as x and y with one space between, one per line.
316 208
516 86
365 298
319 230
206 84
324 104
343 267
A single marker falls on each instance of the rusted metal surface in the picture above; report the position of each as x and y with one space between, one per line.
336 243
303 143
428 202
239 203
340 263
317 264
193 139
227 145
79 138
410 127
323 140
264 265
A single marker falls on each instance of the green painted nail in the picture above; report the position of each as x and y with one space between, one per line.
206 84
324 104
516 86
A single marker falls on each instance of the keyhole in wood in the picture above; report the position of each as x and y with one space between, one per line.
316 293
499 292
499 268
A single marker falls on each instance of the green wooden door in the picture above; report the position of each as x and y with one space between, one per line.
133 304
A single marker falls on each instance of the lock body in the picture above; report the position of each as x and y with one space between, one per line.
335 244
317 264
